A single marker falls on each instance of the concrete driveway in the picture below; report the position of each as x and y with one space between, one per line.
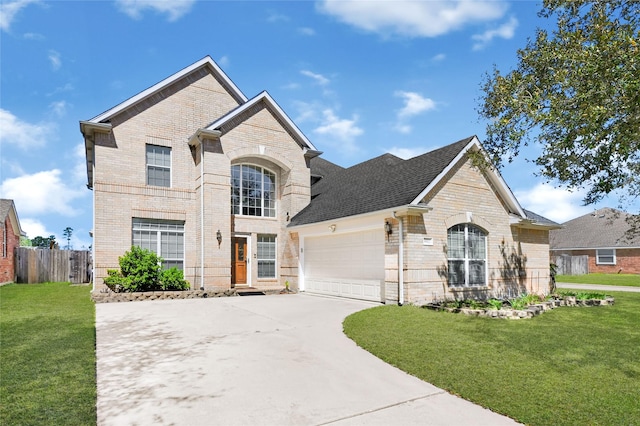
261 360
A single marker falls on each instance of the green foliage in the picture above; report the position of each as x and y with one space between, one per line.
43 242
576 93
494 304
141 270
25 242
568 367
173 279
47 347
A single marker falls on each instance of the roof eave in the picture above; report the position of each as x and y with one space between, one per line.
89 130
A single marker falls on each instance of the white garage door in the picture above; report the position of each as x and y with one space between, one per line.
346 265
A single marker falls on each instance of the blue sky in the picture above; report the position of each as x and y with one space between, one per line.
360 78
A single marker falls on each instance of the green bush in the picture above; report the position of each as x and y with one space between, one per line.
173 279
141 270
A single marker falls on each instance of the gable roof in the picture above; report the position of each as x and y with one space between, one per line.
321 168
387 182
8 208
204 62
229 120
603 228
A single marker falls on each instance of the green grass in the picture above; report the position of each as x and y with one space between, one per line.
568 366
607 279
47 352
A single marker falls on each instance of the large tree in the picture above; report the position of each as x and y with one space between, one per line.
576 93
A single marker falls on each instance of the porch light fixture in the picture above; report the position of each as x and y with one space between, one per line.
387 229
219 237
333 228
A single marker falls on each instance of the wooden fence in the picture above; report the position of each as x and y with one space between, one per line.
571 265
44 265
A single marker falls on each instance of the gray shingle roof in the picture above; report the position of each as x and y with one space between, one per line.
604 228
321 168
377 184
539 219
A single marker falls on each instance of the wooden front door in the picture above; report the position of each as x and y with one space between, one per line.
239 261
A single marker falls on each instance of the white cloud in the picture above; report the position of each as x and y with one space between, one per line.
24 135
34 228
439 57
224 61
174 9
58 108
306 31
42 193
557 204
80 165
414 104
275 17
506 31
319 78
9 10
54 59
33 36
406 153
341 129
412 18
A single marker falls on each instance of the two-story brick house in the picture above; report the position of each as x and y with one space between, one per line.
231 191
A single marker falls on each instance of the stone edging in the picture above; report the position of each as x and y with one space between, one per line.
531 310
111 296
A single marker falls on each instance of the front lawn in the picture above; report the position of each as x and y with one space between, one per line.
572 365
47 348
607 279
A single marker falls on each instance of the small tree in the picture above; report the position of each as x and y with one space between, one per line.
67 234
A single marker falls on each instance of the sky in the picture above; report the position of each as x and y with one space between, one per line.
359 78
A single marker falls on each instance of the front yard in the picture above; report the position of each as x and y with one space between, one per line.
572 365
47 348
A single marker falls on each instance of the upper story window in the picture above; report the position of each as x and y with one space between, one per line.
253 191
467 255
158 165
606 257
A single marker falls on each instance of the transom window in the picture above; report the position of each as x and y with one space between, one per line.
253 191
467 255
163 237
266 256
158 165
606 256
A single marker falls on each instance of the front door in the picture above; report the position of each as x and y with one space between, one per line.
239 261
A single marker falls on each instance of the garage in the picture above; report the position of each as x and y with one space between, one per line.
345 265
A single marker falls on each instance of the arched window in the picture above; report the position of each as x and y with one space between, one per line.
253 191
467 255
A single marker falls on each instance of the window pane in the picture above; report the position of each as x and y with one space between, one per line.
455 242
476 272
266 253
253 191
147 233
456 272
476 241
158 165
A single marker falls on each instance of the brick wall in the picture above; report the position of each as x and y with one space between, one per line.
7 265
169 120
465 195
627 260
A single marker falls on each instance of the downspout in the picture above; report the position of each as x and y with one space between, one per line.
400 260
201 214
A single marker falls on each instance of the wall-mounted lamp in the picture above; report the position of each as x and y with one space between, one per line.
333 228
219 237
387 229
287 216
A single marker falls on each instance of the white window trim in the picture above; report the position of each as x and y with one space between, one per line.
466 259
275 259
170 167
613 254
262 208
159 232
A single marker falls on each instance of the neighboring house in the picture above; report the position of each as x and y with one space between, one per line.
231 191
600 235
11 233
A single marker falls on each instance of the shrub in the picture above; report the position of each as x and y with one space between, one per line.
494 304
141 270
173 279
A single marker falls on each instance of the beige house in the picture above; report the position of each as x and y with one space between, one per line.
231 191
